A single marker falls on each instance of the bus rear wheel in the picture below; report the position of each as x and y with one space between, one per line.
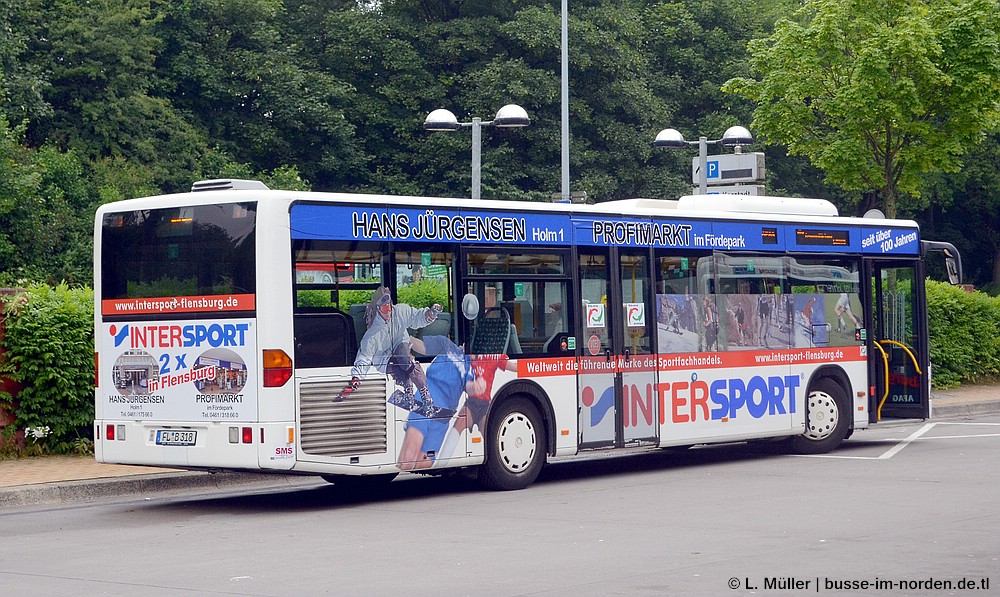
515 446
827 419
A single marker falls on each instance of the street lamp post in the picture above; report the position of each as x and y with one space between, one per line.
735 136
509 116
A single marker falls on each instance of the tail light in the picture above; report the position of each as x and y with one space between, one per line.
277 368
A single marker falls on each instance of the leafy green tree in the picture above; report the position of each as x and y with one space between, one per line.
230 66
405 59
694 47
18 186
877 94
21 80
387 75
964 209
45 216
104 89
61 227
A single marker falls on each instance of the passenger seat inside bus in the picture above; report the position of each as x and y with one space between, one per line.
358 315
324 339
493 333
439 327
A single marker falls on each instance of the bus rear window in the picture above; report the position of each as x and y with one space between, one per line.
189 256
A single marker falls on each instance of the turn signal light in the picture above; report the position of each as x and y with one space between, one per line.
277 368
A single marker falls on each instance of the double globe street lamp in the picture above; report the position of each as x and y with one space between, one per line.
735 136
509 116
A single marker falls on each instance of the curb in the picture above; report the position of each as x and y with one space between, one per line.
947 411
137 486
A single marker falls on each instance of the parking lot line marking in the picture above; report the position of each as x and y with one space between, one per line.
888 453
961 436
895 449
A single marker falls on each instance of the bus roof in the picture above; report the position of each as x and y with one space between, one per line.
715 206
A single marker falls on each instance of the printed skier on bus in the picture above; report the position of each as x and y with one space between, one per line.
386 347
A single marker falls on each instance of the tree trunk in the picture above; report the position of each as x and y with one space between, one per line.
890 202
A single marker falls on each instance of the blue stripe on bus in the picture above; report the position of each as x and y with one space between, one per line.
345 222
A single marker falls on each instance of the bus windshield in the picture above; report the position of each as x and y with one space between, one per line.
186 255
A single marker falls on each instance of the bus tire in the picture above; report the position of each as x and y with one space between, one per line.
515 446
827 419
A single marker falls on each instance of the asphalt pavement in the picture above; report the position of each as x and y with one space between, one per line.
52 480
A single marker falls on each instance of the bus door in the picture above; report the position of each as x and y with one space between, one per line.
897 343
617 401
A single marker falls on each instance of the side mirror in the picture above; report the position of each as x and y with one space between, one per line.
951 264
952 258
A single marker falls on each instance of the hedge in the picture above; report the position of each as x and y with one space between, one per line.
49 349
964 338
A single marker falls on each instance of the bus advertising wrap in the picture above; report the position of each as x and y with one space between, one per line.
344 222
179 370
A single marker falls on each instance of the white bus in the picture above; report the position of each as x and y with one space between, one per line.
356 336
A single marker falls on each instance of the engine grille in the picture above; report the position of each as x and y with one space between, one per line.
352 427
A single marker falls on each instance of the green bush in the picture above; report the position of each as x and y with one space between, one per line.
49 349
347 298
424 293
322 298
964 344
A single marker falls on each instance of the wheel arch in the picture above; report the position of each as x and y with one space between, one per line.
531 391
837 375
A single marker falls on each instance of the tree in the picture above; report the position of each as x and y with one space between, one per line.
21 80
695 46
405 59
18 185
964 209
45 217
239 69
101 58
878 93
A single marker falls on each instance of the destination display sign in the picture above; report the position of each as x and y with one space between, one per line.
827 238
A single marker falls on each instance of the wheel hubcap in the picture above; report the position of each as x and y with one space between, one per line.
517 444
823 416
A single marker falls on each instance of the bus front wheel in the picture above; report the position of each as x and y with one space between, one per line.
515 448
827 419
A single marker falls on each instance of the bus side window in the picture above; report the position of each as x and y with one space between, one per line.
423 275
531 287
679 307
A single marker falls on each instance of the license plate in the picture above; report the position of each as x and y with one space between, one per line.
171 437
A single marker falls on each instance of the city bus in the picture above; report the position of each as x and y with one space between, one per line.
356 336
